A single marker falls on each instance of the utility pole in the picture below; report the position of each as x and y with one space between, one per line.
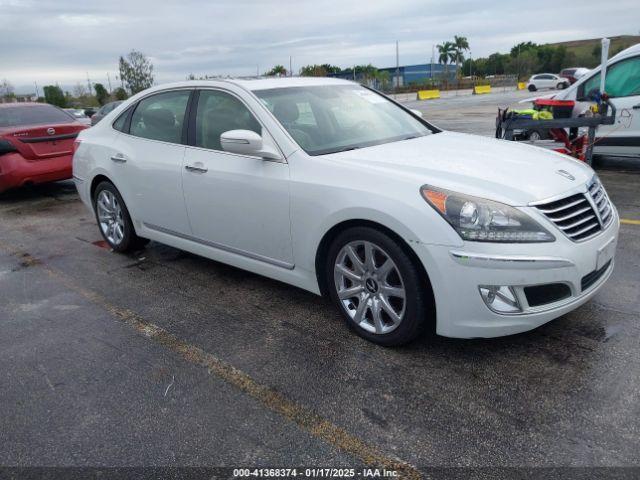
397 65
109 82
88 84
290 66
433 53
37 93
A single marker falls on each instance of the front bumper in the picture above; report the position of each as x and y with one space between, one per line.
457 273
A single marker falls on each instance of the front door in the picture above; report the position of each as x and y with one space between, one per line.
236 203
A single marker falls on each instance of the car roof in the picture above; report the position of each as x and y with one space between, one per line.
257 83
23 104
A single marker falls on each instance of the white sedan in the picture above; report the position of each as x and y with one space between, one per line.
547 80
336 189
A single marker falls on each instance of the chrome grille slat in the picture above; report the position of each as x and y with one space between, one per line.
580 216
586 229
578 223
554 210
570 215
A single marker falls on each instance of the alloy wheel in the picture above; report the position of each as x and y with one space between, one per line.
369 286
110 217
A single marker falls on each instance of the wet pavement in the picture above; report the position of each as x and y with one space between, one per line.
165 358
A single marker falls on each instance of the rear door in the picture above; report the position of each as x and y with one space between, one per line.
39 132
623 87
147 161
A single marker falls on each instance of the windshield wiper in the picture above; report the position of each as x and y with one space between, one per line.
345 149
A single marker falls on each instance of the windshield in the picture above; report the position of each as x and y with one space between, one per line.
32 115
328 119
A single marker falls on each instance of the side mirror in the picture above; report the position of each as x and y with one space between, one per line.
417 113
246 142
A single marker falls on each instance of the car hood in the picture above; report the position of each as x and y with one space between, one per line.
505 171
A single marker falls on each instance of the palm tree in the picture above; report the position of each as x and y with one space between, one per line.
277 71
445 52
460 44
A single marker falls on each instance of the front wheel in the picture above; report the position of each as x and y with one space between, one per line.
561 86
532 88
113 219
377 287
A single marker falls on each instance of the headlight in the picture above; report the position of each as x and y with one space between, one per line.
481 220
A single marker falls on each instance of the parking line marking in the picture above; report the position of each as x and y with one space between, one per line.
303 417
629 222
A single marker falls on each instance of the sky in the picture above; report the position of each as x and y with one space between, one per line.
64 41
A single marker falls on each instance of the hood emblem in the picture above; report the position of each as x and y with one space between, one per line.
565 174
51 131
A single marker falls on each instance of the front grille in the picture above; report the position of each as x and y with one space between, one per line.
591 278
596 190
548 293
575 215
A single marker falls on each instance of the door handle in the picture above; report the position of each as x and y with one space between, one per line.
636 107
191 168
118 158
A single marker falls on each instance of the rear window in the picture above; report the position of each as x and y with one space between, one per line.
33 115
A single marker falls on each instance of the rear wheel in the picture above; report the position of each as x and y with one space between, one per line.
376 286
114 220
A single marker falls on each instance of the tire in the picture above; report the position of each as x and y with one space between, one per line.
371 293
534 136
113 219
561 86
532 88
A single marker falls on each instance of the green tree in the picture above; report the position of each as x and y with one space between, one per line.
522 47
319 70
446 53
136 71
102 95
277 71
53 94
460 45
120 94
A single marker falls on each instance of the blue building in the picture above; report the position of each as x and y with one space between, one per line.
419 73
408 74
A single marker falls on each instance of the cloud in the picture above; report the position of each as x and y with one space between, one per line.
64 40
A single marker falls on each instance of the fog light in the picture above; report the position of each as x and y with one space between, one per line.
500 298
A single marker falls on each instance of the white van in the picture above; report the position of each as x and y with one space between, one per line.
623 86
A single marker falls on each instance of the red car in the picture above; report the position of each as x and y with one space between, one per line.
36 144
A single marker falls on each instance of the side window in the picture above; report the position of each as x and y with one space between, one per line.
160 116
219 112
623 80
121 121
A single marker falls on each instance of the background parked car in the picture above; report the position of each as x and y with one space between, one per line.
104 111
36 144
79 115
547 80
573 74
